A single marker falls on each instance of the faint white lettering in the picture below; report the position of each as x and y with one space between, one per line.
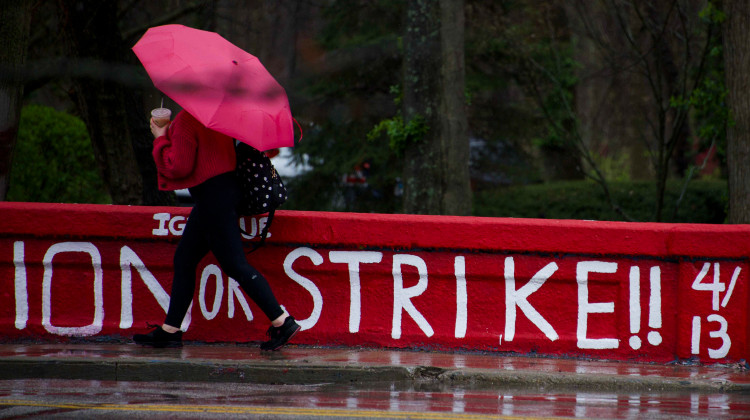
585 308
306 283
520 297
208 271
162 230
402 295
96 262
129 259
234 291
459 269
20 281
256 227
353 259
176 227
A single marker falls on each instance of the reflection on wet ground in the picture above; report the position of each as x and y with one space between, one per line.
376 357
79 398
454 385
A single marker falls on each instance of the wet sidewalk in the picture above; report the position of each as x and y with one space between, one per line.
305 365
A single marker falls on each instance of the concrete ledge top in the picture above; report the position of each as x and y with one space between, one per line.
405 231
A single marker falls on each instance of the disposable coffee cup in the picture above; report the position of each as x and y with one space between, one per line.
161 116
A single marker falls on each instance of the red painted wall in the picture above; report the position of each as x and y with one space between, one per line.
608 290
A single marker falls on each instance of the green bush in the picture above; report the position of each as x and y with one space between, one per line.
54 161
704 201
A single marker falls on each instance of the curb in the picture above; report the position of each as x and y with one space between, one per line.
594 383
284 372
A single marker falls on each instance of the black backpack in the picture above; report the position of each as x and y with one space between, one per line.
261 186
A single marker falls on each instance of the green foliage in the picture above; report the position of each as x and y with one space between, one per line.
712 13
334 151
344 104
709 102
351 23
53 161
521 79
614 168
539 60
400 135
556 100
711 114
704 202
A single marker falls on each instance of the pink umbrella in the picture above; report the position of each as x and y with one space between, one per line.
222 86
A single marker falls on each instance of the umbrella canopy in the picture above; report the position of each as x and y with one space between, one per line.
222 86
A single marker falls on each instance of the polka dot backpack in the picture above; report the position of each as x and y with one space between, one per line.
262 188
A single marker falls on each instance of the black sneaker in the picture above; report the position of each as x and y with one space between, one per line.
280 335
159 338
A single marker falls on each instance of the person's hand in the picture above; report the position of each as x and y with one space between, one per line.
158 131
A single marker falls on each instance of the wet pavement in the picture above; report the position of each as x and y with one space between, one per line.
301 365
56 398
237 381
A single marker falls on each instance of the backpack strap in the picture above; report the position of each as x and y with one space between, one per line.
263 233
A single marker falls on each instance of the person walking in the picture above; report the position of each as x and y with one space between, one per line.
189 155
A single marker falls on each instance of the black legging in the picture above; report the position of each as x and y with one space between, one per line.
213 226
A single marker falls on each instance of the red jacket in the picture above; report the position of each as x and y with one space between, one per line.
190 153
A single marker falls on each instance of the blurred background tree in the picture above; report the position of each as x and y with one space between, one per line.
607 90
15 18
736 19
347 83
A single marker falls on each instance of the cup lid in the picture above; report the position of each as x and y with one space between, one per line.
161 112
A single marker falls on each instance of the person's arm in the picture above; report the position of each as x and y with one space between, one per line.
175 148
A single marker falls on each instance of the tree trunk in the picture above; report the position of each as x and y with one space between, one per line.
436 166
114 114
737 64
15 16
454 122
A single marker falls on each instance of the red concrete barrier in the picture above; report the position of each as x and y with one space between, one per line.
607 290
